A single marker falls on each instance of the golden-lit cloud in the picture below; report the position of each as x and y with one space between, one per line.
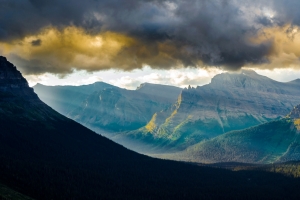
62 51
285 48
58 37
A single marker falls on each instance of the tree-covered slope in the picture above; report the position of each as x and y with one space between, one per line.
275 141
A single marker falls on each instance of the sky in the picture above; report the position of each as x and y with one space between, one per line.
128 42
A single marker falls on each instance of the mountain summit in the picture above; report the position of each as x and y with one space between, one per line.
243 79
12 83
18 100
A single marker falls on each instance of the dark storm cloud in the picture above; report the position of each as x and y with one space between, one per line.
36 42
187 32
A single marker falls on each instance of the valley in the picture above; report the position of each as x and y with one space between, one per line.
164 119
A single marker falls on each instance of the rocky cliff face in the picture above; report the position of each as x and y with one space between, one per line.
295 114
232 101
12 83
17 99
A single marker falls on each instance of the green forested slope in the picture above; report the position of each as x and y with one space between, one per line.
275 141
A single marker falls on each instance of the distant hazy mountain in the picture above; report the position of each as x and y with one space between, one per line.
104 107
275 141
65 99
232 101
45 155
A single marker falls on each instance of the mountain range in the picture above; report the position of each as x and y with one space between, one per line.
123 109
232 101
165 118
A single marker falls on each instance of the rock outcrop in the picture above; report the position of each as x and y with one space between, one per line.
295 114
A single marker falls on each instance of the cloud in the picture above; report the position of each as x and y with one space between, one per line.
285 51
79 78
180 78
36 42
60 36
67 50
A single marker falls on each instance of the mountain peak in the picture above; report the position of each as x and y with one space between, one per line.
12 82
2 58
240 79
10 77
142 85
156 85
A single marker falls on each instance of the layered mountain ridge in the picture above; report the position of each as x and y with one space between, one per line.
232 101
123 109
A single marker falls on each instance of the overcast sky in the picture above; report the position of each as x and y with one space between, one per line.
127 42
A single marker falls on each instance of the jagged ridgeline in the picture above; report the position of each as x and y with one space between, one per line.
45 155
276 141
18 99
232 101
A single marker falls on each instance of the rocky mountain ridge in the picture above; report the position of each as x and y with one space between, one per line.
12 82
18 99
232 101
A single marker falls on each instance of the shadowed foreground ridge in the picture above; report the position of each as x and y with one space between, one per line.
45 155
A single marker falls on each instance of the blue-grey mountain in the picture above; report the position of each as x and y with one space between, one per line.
232 101
106 108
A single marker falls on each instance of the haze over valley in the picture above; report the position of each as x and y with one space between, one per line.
159 118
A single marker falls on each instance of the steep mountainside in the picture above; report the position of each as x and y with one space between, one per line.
45 155
276 141
232 101
123 109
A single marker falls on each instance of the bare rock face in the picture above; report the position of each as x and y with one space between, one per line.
295 114
12 83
